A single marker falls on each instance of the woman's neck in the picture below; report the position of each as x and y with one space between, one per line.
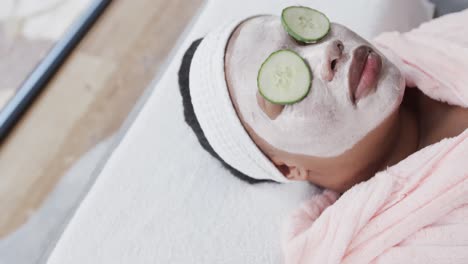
407 138
423 122
438 120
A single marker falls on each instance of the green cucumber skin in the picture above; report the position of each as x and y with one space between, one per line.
283 102
298 37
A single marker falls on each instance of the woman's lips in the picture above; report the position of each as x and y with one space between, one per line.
364 72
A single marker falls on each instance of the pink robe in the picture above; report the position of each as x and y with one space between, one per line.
417 210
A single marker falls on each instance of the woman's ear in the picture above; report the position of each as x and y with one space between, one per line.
291 172
297 174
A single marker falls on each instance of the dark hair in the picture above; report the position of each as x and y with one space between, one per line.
190 117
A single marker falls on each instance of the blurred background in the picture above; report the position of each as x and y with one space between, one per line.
80 110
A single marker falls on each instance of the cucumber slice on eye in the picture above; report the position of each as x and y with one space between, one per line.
284 78
305 24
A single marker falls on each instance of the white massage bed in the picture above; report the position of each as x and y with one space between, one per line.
160 198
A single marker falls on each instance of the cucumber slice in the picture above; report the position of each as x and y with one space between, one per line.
305 24
284 78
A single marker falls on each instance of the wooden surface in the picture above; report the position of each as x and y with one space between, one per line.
88 100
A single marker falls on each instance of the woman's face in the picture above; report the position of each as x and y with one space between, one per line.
355 92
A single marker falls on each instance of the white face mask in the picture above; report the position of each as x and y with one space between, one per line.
327 122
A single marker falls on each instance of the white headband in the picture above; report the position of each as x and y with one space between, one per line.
215 111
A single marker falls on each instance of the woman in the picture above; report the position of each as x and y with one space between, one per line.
356 120
407 148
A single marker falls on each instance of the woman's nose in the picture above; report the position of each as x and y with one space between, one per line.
333 52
